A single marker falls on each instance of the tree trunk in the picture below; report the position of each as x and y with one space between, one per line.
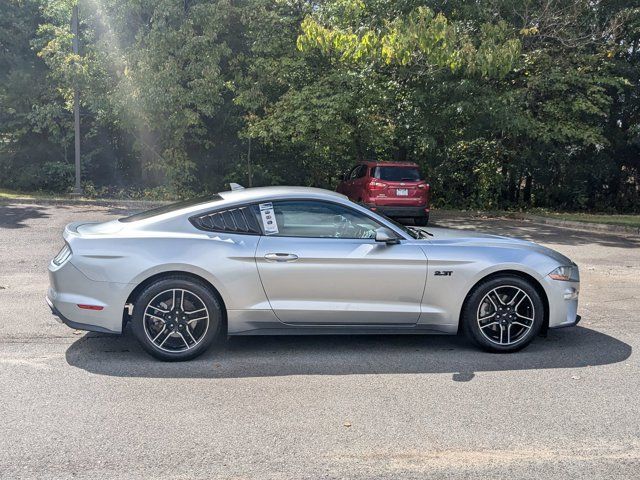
526 192
401 154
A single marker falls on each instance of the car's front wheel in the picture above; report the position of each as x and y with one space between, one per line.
503 314
176 318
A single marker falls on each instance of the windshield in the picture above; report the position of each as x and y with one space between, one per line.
169 208
397 174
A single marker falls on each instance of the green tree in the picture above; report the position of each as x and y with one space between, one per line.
502 103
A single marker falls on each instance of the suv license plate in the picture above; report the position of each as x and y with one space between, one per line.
402 192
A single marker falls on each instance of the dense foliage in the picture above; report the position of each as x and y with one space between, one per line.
503 103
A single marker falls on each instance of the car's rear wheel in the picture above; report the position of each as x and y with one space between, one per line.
503 314
176 318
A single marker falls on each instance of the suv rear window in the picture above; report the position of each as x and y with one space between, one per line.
397 174
169 208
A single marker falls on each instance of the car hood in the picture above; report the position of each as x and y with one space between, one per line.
446 236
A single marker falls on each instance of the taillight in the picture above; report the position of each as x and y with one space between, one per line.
376 185
62 256
90 307
424 186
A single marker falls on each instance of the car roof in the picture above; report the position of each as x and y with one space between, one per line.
237 198
269 193
234 197
266 194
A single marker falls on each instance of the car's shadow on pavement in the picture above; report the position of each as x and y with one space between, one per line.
241 357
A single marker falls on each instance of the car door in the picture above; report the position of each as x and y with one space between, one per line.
359 181
320 265
348 188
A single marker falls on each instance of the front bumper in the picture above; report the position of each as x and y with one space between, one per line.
573 324
563 302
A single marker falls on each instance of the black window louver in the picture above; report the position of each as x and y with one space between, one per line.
236 220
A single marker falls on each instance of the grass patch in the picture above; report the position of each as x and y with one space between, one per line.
623 220
13 194
16 196
103 194
603 218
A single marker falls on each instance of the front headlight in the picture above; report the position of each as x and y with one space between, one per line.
566 274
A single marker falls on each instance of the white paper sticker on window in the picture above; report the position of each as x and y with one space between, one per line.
268 218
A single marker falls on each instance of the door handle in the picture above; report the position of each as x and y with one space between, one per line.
281 257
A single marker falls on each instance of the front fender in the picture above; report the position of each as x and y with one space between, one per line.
445 293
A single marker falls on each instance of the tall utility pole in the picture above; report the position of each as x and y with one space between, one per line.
77 190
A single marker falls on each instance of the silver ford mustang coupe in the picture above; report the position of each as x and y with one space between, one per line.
293 260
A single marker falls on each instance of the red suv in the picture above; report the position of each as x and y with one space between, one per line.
395 189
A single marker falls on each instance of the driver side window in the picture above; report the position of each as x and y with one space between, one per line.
313 219
354 173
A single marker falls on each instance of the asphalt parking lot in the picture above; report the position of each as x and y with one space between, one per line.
84 405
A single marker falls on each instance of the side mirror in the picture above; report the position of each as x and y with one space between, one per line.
345 176
387 236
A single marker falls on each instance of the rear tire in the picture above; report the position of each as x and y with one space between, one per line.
176 318
503 314
421 221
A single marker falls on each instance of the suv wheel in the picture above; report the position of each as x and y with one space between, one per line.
421 221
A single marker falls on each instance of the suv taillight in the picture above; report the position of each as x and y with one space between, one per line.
377 185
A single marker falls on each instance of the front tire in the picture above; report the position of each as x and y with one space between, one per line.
503 314
176 318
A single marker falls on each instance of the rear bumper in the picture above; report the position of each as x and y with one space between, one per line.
69 288
76 325
394 211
